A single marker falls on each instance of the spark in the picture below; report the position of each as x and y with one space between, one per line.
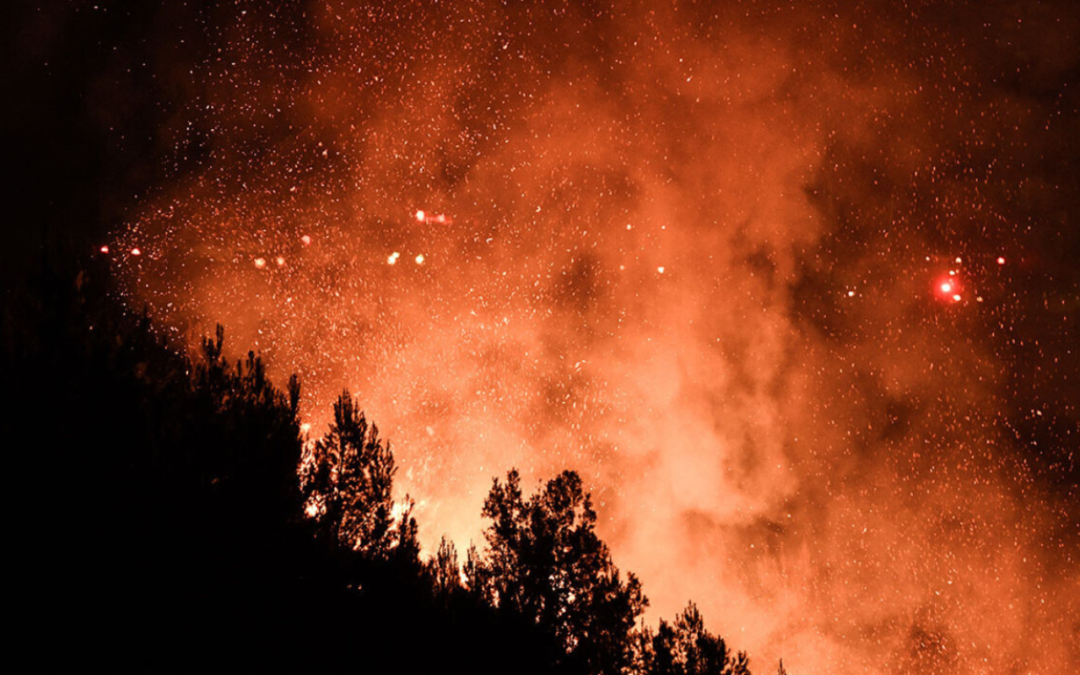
104 249
425 217
420 259
136 251
260 263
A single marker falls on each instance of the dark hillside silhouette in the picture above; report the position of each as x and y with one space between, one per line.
159 520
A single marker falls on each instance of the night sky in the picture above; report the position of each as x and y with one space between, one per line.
794 286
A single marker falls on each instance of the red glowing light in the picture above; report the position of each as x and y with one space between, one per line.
306 240
1001 260
136 251
948 287
104 249
440 218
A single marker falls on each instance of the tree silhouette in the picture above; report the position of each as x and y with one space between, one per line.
443 569
687 648
545 562
347 482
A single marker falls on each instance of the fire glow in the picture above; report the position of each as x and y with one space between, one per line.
826 479
949 288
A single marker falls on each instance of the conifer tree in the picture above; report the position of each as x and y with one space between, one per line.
687 648
544 561
347 482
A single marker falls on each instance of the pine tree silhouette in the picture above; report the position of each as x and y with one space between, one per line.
347 483
687 648
545 562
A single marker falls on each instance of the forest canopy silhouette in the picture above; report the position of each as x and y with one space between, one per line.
172 511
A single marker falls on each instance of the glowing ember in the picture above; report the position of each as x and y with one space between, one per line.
260 262
949 288
136 252
104 249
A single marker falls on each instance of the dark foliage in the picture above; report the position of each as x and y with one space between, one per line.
546 563
347 481
687 648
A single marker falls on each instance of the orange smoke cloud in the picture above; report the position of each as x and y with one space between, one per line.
683 251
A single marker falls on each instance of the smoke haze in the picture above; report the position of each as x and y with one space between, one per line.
738 265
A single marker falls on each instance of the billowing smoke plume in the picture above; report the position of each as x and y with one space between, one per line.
738 265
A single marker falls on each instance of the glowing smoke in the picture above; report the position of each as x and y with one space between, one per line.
688 252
